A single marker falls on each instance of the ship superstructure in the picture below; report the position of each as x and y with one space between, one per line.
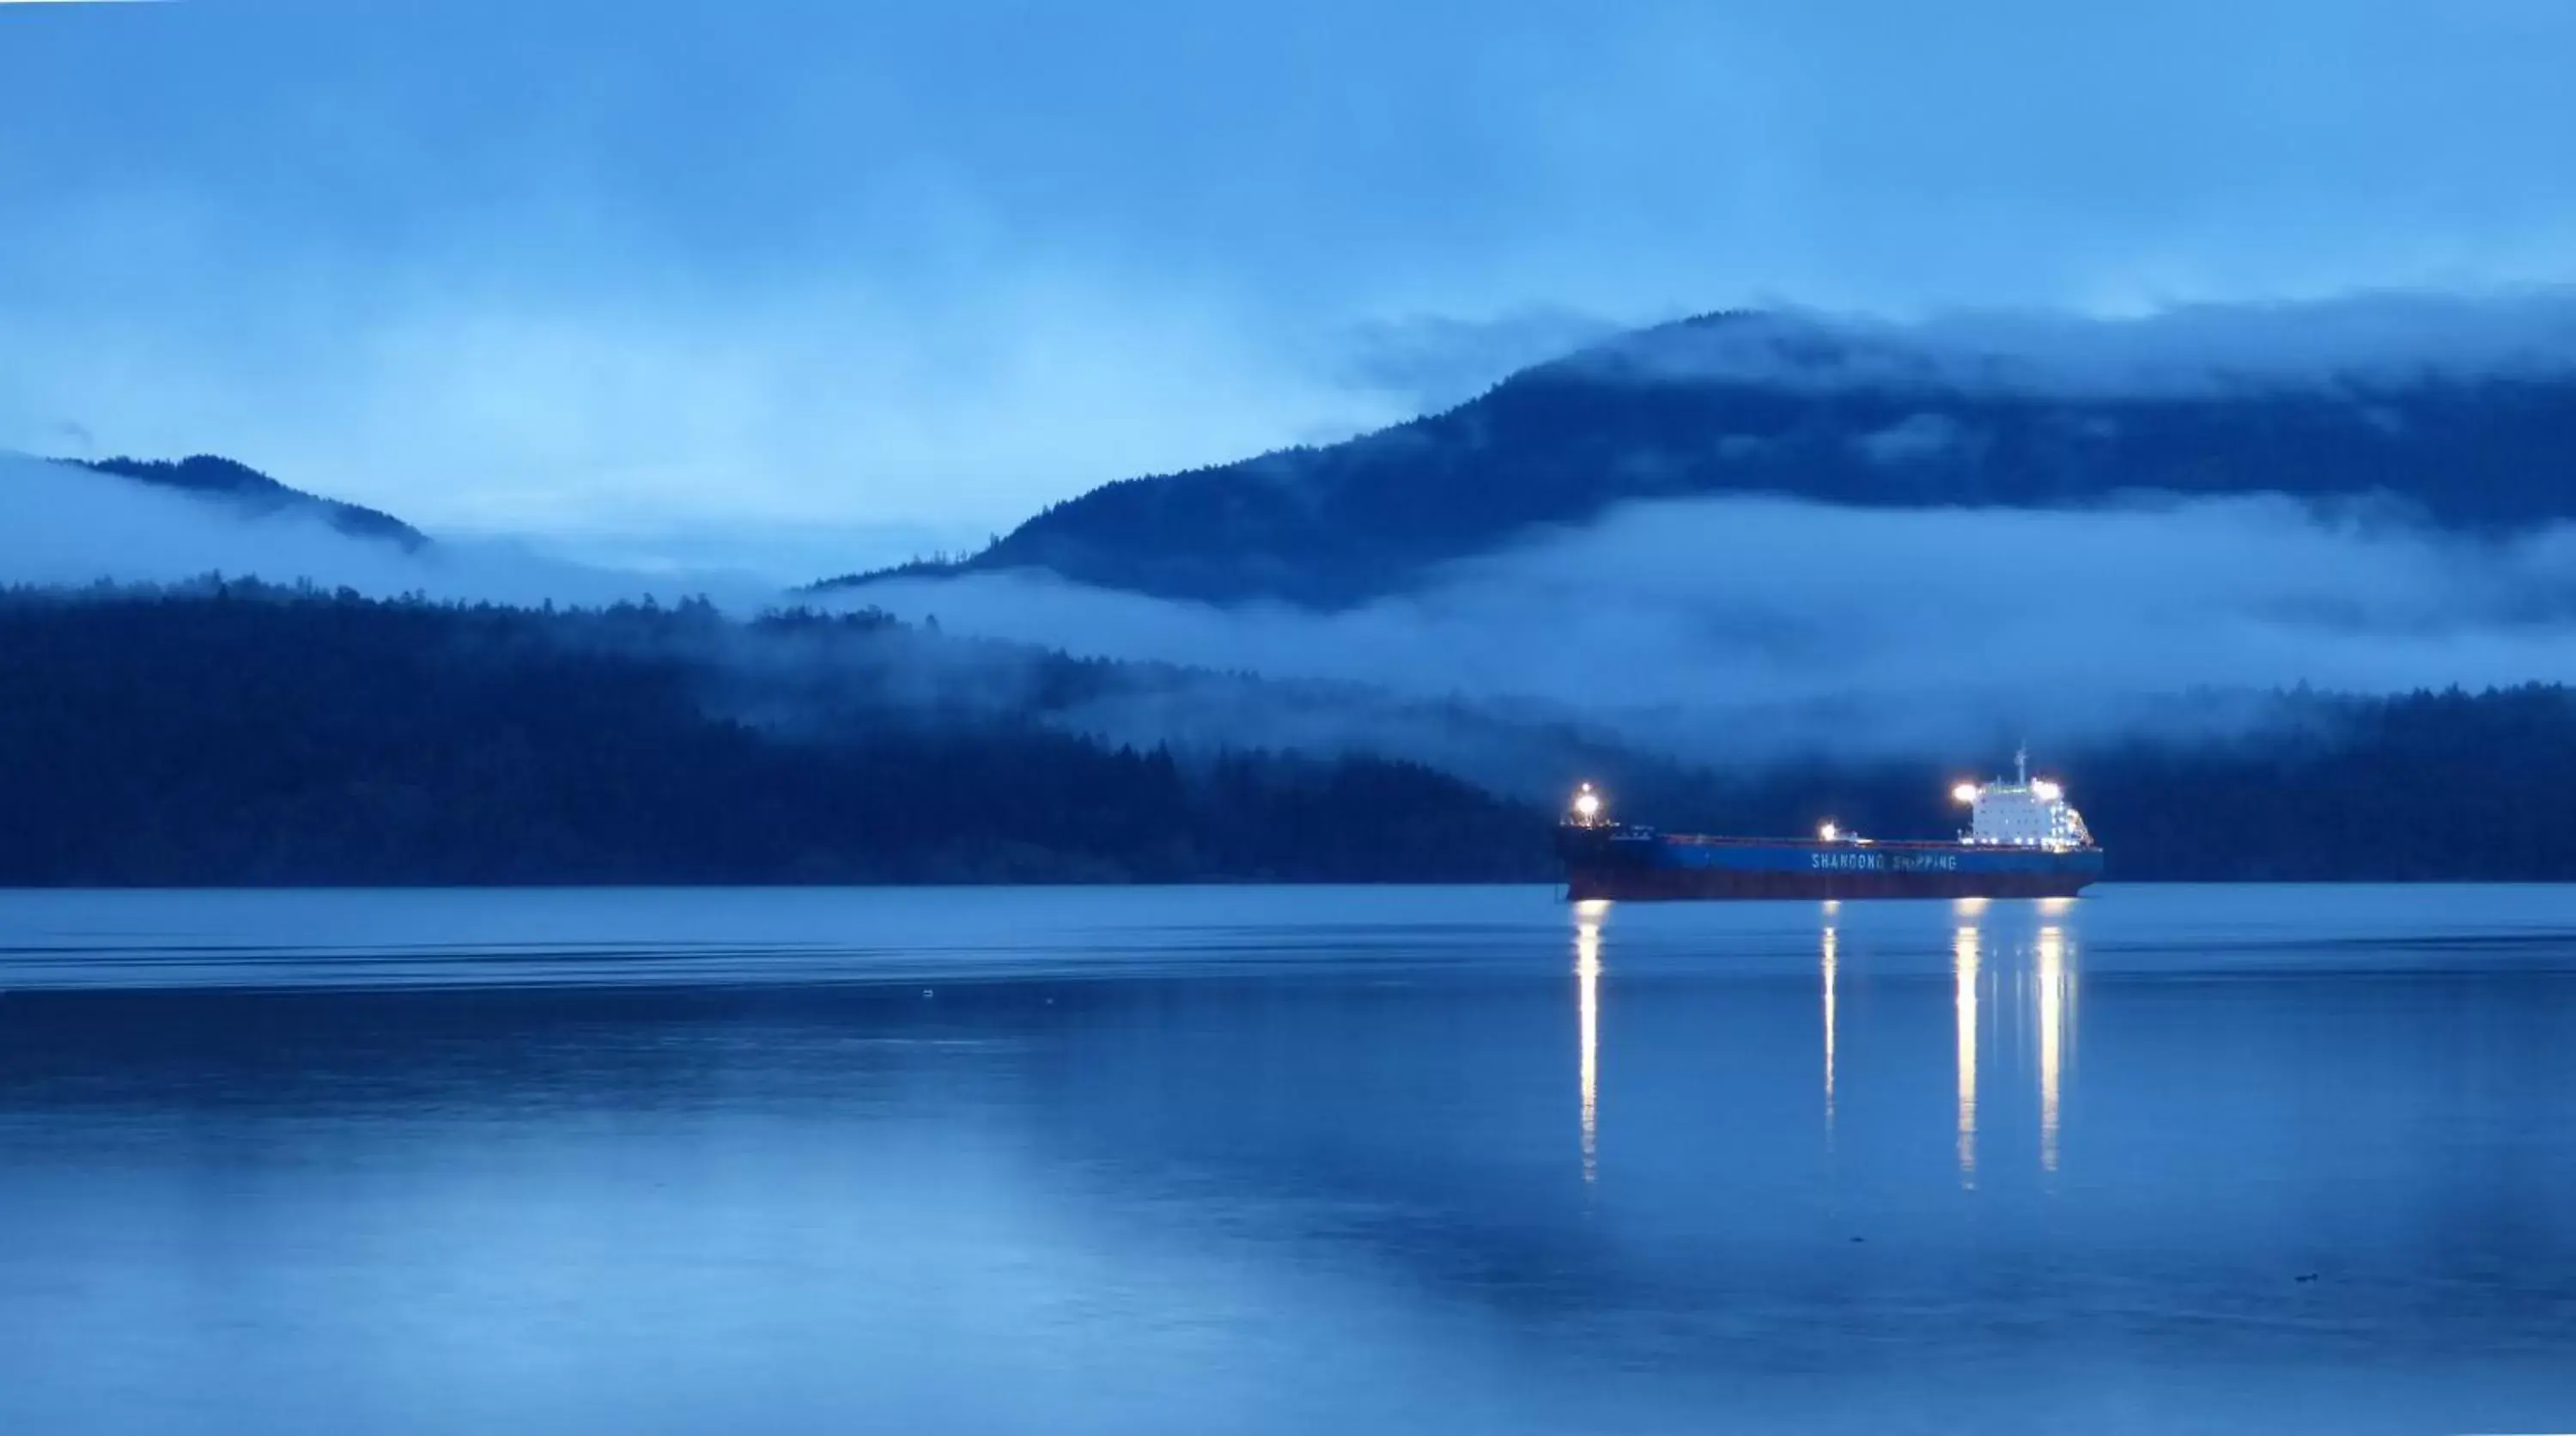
2022 813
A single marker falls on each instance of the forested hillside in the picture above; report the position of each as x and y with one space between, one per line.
248 493
1764 404
245 735
259 737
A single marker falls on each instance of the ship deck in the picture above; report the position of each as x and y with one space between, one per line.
1917 845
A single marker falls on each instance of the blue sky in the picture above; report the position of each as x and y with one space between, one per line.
794 281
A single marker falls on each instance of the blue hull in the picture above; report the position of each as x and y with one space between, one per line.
1631 864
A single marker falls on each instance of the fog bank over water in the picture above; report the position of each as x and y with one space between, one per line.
63 527
1709 629
1713 624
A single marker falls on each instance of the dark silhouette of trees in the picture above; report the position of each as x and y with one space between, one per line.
246 490
241 734
251 736
1640 418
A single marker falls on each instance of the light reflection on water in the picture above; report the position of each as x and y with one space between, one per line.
1964 967
2053 990
2050 989
1587 977
1829 975
1285 1160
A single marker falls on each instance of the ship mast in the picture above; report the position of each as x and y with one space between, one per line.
2021 766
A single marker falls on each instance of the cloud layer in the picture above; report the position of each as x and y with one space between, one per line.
660 269
2355 343
1711 630
1714 626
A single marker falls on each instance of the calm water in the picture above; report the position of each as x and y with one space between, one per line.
1286 1160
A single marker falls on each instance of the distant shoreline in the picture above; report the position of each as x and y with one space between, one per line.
684 885
241 736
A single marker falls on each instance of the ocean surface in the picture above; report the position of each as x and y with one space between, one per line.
1286 1160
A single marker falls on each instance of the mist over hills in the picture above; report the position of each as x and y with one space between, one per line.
66 523
1749 570
230 733
1929 539
247 492
242 733
2459 412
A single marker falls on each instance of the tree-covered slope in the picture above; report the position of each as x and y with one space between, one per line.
259 737
248 492
1756 404
241 735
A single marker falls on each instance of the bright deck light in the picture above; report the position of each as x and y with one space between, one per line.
1964 793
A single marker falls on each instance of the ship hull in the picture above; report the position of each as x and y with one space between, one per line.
1639 865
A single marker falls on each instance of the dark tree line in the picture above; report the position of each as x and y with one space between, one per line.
2426 786
253 737
234 734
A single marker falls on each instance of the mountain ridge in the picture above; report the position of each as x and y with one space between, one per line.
252 494
1748 403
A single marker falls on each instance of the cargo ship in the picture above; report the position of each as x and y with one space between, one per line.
2023 840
